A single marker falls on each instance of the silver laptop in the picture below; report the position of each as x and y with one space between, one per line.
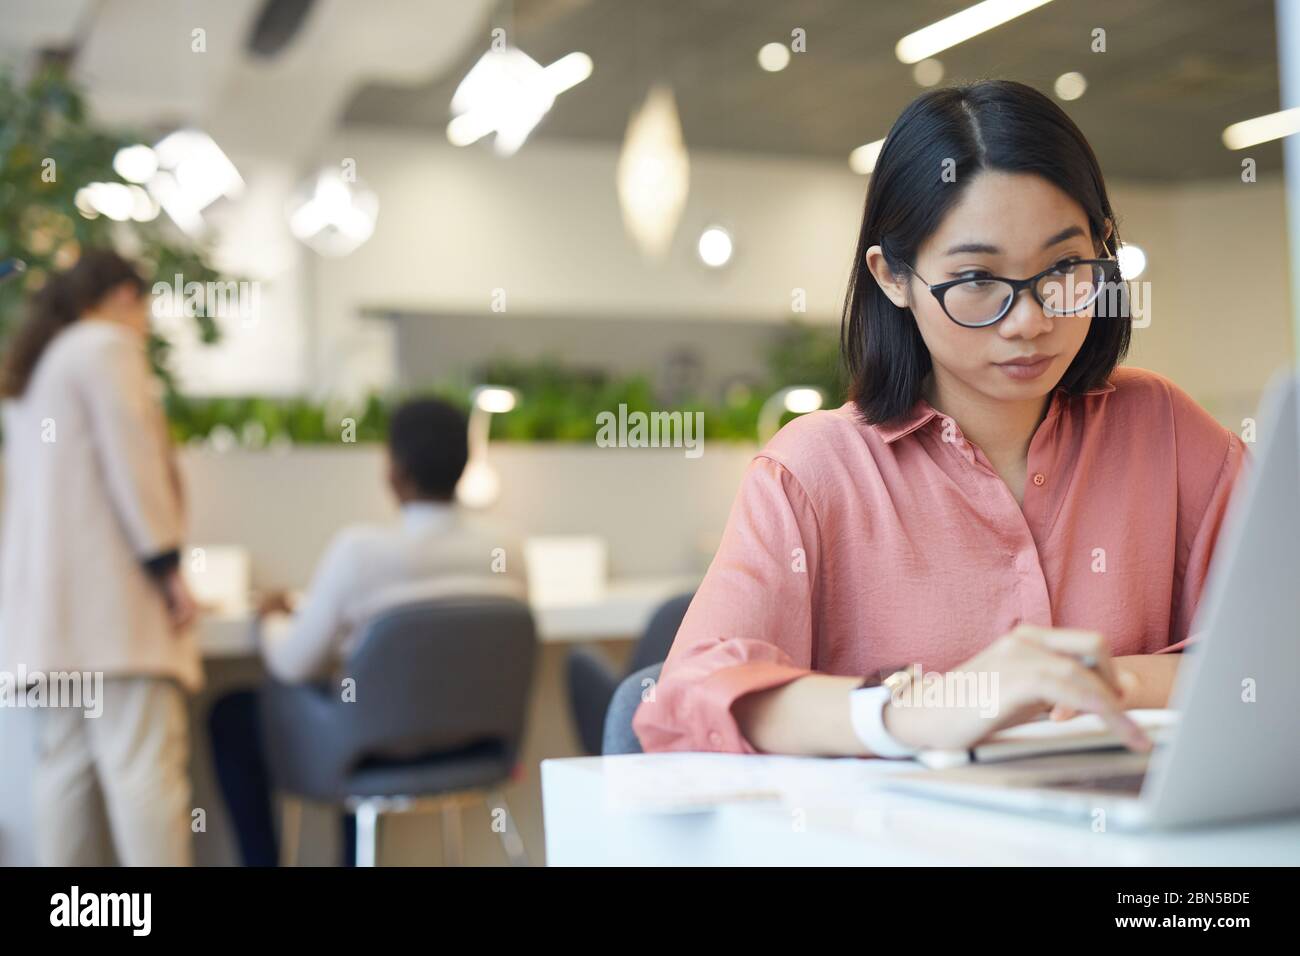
1236 750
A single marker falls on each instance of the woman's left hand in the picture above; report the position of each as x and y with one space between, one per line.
1130 686
184 609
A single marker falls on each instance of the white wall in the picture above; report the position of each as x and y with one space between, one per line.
545 227
660 512
1218 274
262 352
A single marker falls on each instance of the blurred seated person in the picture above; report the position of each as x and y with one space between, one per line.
433 551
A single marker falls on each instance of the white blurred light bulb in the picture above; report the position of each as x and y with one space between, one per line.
333 215
1070 86
1132 261
144 208
715 247
495 399
135 164
801 401
774 57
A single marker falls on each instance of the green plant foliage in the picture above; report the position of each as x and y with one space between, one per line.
808 355
558 402
49 149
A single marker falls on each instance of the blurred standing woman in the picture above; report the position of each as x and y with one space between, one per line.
89 568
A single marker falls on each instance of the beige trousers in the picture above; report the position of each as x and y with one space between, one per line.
133 762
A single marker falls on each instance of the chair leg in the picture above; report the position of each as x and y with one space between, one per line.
453 845
510 838
367 814
290 830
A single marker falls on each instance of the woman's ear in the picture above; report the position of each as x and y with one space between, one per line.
893 286
1105 238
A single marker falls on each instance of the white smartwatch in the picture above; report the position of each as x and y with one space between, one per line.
867 714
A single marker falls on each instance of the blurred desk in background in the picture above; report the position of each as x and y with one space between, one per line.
621 612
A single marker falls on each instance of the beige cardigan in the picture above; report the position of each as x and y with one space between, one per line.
90 491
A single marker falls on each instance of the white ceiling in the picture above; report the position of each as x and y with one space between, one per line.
1176 72
136 61
33 24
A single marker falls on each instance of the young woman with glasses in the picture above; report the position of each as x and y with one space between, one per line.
1000 522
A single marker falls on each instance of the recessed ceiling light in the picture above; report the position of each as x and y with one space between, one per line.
1262 129
715 247
1070 86
960 27
774 57
927 72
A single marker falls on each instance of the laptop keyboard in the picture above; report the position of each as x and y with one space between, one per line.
1112 783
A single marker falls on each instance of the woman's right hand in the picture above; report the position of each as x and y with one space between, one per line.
1027 672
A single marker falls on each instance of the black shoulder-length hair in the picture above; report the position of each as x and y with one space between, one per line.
990 124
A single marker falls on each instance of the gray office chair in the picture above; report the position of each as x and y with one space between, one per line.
592 680
619 738
440 696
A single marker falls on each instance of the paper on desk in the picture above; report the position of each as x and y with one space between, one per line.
690 782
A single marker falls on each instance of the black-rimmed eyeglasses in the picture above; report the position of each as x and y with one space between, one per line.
1066 288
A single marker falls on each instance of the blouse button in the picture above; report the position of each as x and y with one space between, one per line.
715 738
1039 478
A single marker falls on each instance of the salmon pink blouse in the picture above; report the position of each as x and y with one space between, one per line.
854 549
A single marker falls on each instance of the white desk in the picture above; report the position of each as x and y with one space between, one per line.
834 813
621 613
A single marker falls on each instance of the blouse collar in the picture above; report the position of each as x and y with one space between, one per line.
922 412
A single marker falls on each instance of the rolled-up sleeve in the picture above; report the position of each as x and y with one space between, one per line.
750 625
313 643
1193 563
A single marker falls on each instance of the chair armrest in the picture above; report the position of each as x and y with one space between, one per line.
591 682
619 738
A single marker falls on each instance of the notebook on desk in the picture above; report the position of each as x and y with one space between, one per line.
1040 738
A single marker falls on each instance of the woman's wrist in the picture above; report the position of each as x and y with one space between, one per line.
924 727
866 713
901 724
